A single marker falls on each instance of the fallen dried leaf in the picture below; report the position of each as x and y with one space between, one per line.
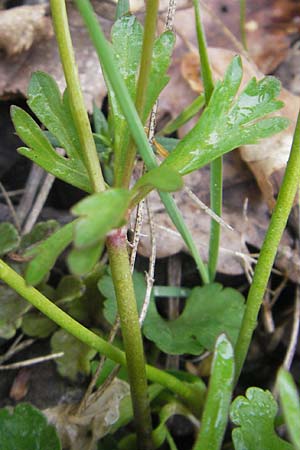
15 71
82 432
23 26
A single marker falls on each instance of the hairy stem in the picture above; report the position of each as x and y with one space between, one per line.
62 32
131 332
268 251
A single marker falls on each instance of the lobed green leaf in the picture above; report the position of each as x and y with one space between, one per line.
209 311
45 100
230 122
254 415
76 357
41 152
100 213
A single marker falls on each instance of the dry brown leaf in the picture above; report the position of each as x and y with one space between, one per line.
23 26
15 71
82 432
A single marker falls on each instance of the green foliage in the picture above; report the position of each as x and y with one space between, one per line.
289 398
45 100
12 308
69 288
216 409
76 357
45 254
161 178
162 50
26 428
9 238
42 153
40 232
99 213
36 325
254 416
82 261
229 122
127 38
209 311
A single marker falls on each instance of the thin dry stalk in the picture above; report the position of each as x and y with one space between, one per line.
287 362
151 270
10 207
32 361
39 203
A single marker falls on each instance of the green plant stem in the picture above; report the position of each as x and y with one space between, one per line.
134 123
43 304
62 32
188 113
243 22
131 332
216 178
143 80
268 251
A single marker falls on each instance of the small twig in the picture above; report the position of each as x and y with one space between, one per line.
137 232
10 207
33 182
13 193
15 348
287 362
170 15
206 209
30 362
174 279
267 313
38 204
151 270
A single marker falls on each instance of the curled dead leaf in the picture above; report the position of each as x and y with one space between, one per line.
83 431
23 26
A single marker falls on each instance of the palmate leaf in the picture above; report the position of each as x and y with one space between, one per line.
230 122
254 415
209 311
